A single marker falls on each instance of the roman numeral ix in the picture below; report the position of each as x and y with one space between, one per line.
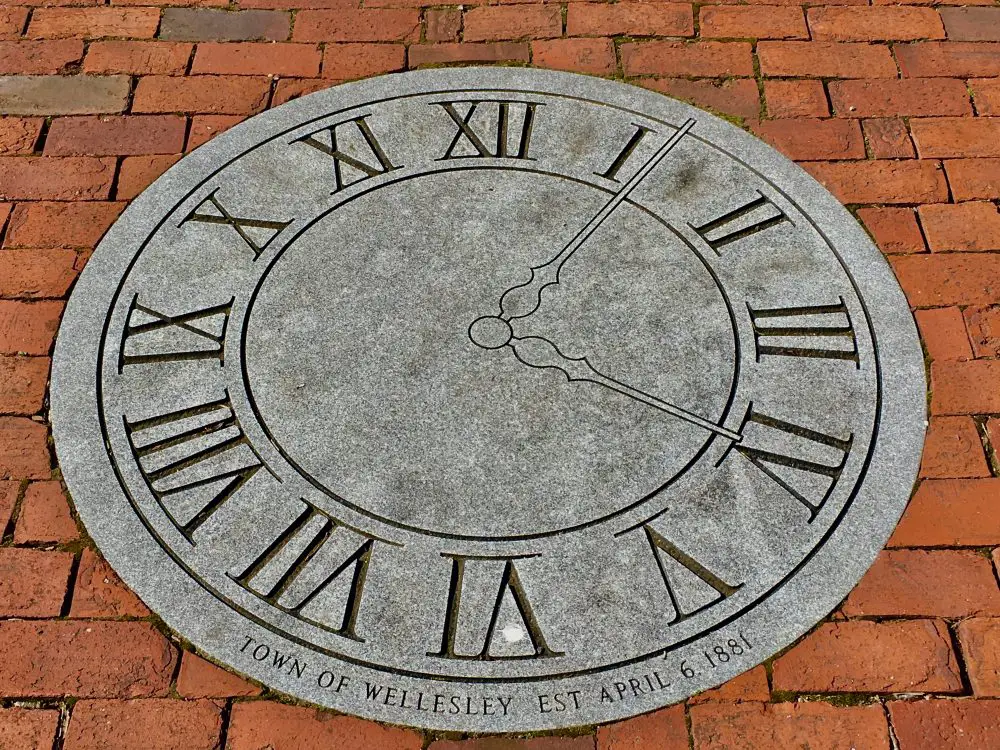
496 142
154 336
193 460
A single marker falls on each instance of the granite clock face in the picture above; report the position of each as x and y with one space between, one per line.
488 400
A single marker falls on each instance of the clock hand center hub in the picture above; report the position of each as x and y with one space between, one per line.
490 332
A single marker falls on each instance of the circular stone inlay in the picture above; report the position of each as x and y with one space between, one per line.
488 400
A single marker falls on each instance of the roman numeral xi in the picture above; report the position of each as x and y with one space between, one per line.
351 144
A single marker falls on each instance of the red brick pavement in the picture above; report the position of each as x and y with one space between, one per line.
896 108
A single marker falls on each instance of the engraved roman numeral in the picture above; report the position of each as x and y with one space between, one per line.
811 480
750 218
328 143
193 460
796 336
633 143
303 565
153 336
510 585
695 597
257 233
501 147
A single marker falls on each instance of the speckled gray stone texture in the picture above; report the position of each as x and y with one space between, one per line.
488 400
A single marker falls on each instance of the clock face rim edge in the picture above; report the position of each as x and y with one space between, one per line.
73 406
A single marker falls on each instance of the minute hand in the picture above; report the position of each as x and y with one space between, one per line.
539 352
522 300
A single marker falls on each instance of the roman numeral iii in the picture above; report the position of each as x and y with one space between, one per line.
792 332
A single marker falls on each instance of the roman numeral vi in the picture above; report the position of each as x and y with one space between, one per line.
511 589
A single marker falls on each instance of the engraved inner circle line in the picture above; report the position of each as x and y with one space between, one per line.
259 418
212 591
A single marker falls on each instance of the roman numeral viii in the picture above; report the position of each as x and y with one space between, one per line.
193 460
495 137
806 463
351 144
154 336
314 570
462 629
744 221
791 332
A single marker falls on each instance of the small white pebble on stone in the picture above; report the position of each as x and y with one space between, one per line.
512 633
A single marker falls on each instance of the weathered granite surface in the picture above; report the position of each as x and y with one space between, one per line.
488 399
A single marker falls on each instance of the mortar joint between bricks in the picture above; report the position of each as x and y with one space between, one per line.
62 725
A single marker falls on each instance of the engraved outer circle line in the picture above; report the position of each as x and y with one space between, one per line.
536 678
79 423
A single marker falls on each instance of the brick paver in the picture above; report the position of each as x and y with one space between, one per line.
894 106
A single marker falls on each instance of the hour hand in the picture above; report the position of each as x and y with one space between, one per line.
494 332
